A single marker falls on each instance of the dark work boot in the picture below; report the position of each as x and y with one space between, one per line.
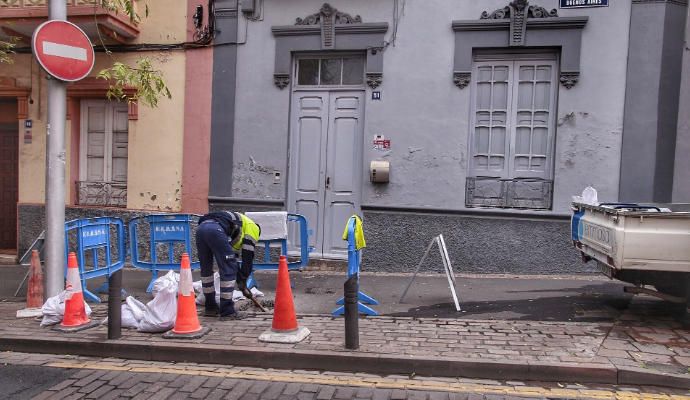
211 307
227 307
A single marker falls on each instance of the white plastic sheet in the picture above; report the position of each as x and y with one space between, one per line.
589 196
273 224
54 309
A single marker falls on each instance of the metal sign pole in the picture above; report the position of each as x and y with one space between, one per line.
55 173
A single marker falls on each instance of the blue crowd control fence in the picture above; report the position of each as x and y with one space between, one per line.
94 237
354 260
169 235
304 249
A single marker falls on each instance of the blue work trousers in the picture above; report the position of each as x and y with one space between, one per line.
212 242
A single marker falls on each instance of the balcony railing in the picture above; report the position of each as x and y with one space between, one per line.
106 194
39 3
20 18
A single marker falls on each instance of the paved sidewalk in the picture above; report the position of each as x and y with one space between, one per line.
629 351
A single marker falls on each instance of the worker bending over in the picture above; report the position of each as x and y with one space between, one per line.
224 235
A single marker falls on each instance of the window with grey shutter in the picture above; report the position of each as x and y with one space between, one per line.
104 150
512 133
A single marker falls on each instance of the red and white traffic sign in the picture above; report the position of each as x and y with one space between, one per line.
63 50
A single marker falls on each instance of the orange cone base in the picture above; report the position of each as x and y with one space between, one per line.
30 312
75 318
294 336
171 334
76 328
187 321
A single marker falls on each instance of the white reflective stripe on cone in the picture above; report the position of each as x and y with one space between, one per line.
186 288
73 284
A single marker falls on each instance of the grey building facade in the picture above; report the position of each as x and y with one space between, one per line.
490 115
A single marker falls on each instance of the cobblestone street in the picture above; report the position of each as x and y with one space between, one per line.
93 378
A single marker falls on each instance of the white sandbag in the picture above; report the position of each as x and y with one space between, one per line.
200 297
132 312
239 296
172 278
161 311
54 309
158 315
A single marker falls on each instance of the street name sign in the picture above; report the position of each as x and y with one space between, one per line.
63 50
584 3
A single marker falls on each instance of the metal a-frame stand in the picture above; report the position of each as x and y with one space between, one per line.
38 244
446 265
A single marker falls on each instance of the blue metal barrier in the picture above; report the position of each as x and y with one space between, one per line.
354 260
294 265
167 230
92 235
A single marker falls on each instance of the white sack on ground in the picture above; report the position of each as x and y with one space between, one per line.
171 278
161 311
132 312
158 315
236 295
54 309
200 298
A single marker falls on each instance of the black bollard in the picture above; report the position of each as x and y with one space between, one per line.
115 305
351 313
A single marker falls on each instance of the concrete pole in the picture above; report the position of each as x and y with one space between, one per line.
55 174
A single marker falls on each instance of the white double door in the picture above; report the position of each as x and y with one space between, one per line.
326 133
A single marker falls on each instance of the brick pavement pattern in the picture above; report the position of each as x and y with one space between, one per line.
131 385
112 378
632 342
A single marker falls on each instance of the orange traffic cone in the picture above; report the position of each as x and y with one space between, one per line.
75 318
187 322
284 328
34 292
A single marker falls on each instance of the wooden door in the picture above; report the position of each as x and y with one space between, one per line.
9 173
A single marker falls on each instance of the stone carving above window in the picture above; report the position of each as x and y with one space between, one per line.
520 6
569 79
328 17
374 79
327 12
518 12
281 80
339 31
462 79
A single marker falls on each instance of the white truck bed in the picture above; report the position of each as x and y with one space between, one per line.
634 237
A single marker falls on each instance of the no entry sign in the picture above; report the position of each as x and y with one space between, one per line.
63 50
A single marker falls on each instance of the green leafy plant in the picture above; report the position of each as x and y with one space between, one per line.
125 6
7 50
147 81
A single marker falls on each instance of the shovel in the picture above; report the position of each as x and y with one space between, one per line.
248 294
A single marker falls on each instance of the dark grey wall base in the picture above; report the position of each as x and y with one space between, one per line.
396 243
242 206
396 240
31 220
